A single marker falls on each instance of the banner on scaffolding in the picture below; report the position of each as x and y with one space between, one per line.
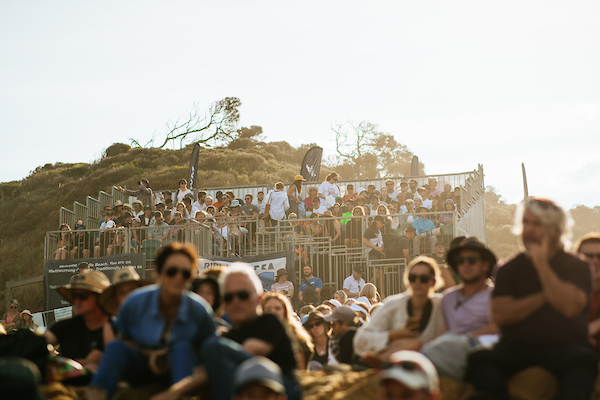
265 266
311 165
59 273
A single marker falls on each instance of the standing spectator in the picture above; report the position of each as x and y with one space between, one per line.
329 188
80 337
407 320
277 203
588 247
143 193
157 323
182 191
354 230
373 239
315 282
423 225
282 284
260 202
294 196
8 319
332 228
541 304
344 323
354 283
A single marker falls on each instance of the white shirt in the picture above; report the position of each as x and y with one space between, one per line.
181 195
394 195
279 202
198 207
260 204
353 285
320 210
329 189
428 203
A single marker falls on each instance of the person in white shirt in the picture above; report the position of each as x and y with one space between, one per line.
277 203
354 283
392 192
319 207
328 187
260 202
183 190
199 205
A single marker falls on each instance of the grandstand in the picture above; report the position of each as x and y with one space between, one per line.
223 237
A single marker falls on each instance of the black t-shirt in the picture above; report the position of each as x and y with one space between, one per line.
354 229
404 244
268 329
76 341
346 355
371 234
518 278
438 259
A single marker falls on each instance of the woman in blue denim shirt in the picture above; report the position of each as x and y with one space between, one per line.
160 328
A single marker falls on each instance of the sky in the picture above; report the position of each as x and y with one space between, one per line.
459 83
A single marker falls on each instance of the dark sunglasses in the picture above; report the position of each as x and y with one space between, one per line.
13 307
412 278
592 255
173 271
310 326
242 295
471 260
81 296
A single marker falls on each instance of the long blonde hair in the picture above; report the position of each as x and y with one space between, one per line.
288 320
370 292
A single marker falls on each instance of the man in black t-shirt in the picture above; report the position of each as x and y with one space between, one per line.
80 337
405 241
540 303
253 333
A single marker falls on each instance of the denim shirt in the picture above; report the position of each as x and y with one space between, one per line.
423 225
140 320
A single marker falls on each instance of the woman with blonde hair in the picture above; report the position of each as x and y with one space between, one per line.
340 296
276 303
408 320
370 292
27 321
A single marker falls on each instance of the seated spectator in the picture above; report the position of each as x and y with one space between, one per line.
385 213
374 199
319 331
408 320
333 228
180 207
160 229
466 309
82 242
343 326
155 324
10 318
314 227
65 243
447 193
404 190
170 205
588 247
187 202
433 189
259 378
168 217
436 204
82 268
26 321
384 198
426 196
208 201
423 225
199 205
260 202
138 209
319 207
315 282
350 194
282 284
347 212
354 229
410 376
280 306
253 333
143 193
541 305
80 337
456 197
336 210
182 191
148 218
354 283
390 188
370 292
340 296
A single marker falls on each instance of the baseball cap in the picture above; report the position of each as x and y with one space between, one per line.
235 203
299 178
413 370
259 370
343 313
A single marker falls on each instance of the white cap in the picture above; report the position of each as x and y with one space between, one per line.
413 370
360 190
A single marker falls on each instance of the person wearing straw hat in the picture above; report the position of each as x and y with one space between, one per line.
282 284
26 321
124 282
80 337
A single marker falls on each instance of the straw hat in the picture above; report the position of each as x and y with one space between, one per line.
92 281
27 312
108 300
118 203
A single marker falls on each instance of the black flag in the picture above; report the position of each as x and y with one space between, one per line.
311 165
414 166
193 172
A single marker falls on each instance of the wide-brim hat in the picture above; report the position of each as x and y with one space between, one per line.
118 203
313 316
282 272
470 243
108 300
27 312
92 281
299 178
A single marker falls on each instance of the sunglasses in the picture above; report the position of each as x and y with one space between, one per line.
471 260
242 295
81 296
173 271
310 326
412 278
13 307
592 255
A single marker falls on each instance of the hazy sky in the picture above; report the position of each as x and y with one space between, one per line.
460 83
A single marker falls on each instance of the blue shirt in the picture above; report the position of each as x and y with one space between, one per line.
423 225
141 321
317 283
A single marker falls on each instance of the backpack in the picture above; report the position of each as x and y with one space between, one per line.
310 294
